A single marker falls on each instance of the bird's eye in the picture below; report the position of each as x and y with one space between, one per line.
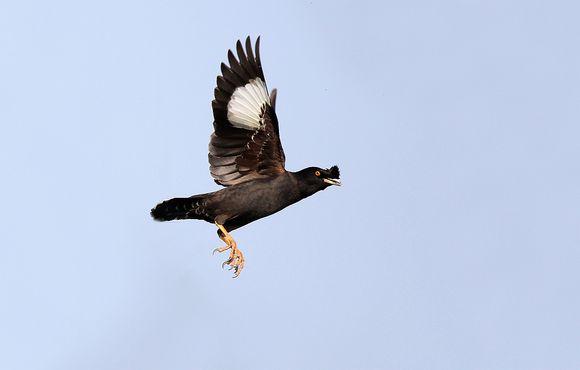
317 173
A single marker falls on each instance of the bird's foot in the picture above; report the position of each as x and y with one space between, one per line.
236 259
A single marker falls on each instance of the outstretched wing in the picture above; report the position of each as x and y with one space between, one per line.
245 144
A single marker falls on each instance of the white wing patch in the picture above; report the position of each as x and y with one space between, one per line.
247 103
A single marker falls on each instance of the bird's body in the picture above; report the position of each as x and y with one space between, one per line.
246 156
238 205
250 201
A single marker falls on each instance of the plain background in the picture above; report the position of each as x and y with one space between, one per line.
453 244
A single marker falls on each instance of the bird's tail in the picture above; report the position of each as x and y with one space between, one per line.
182 208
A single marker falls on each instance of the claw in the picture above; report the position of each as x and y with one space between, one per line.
221 249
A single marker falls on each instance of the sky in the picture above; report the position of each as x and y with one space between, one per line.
454 242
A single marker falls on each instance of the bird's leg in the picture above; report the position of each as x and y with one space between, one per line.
236 259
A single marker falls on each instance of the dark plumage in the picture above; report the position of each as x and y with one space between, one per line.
245 156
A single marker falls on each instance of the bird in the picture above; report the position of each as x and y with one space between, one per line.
246 157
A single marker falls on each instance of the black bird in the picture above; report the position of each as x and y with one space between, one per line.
245 156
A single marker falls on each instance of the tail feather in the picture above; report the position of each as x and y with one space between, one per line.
181 208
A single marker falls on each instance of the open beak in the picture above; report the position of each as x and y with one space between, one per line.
333 182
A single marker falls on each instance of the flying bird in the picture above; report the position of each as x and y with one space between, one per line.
246 157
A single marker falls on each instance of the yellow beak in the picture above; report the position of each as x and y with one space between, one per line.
333 182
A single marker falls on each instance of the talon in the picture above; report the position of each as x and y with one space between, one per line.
236 258
221 249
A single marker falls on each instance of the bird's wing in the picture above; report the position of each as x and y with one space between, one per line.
245 144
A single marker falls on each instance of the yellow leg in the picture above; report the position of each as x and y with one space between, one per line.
236 258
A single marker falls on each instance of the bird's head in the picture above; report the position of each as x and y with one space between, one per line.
315 179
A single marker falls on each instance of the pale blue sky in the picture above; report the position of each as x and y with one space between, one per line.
453 244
